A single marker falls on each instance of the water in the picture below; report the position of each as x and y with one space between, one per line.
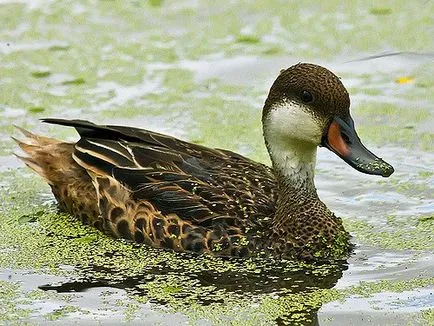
177 68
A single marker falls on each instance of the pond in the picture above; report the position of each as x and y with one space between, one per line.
183 68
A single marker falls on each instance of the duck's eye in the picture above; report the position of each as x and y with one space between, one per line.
306 97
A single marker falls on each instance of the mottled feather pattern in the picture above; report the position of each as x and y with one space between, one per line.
161 191
202 176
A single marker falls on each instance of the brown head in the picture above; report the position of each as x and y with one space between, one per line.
308 106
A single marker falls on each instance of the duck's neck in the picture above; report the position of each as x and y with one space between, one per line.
294 167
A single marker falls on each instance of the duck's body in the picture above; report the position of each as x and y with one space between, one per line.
158 190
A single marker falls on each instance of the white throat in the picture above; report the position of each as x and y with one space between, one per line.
292 135
294 162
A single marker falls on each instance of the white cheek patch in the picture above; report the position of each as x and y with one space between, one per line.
291 120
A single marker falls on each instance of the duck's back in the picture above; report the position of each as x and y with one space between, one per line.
156 189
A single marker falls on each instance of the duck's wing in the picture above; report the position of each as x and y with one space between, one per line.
206 186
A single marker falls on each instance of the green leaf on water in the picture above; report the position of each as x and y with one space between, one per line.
272 50
156 3
251 39
172 289
86 239
59 48
41 74
36 109
30 218
380 11
76 81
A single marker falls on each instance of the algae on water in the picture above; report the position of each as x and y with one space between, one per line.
176 67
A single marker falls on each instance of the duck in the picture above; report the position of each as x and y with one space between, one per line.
157 190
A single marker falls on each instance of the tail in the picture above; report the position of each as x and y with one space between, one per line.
47 156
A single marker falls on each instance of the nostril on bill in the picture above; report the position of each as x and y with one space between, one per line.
346 138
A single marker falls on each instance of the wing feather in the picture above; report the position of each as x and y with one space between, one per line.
203 185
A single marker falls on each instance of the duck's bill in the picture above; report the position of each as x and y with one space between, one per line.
343 140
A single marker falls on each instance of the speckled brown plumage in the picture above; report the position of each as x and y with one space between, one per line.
164 192
157 190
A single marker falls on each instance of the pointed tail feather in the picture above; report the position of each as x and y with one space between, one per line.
46 156
35 139
34 165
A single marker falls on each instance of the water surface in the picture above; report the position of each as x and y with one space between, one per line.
180 68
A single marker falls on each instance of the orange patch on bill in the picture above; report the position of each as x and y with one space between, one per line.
335 139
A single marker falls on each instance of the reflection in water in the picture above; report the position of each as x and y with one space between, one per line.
187 280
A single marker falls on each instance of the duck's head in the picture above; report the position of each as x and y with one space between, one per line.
308 106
